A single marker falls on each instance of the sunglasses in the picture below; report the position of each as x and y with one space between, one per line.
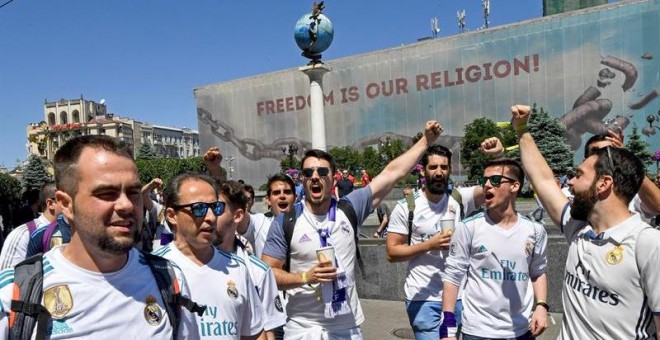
495 180
199 209
592 151
309 172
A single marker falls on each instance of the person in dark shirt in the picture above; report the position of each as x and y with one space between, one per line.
344 185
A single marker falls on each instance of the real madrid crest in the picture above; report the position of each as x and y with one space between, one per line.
152 312
58 301
614 256
232 291
528 248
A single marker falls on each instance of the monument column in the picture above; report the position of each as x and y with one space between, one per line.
315 73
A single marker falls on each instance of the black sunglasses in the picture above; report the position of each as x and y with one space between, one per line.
199 209
592 151
495 180
309 172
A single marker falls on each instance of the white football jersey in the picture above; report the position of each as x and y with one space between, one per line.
15 246
423 277
499 264
610 286
264 280
125 304
223 285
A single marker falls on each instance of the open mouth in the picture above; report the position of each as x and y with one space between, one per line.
316 189
283 205
489 196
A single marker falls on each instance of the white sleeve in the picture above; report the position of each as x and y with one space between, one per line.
270 302
647 252
539 264
249 233
6 290
398 219
459 255
252 318
187 323
14 249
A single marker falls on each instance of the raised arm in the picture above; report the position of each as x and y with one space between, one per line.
146 190
535 166
212 160
401 166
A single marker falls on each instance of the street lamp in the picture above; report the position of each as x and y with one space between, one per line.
650 119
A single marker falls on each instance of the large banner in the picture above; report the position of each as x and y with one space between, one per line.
591 69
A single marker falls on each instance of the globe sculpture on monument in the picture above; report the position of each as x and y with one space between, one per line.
314 33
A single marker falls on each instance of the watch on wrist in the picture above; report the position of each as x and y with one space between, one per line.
542 304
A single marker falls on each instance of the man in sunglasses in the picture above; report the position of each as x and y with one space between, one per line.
217 279
99 283
423 244
333 309
502 254
610 288
232 194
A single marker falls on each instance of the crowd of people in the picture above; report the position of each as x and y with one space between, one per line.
109 256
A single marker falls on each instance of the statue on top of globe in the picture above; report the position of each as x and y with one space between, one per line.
314 33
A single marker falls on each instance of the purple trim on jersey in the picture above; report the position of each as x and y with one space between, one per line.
276 246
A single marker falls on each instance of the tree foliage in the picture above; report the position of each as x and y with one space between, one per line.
639 147
168 168
35 174
346 158
10 189
146 151
548 134
471 158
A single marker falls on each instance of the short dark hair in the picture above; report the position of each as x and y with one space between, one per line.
47 192
320 154
172 191
235 193
512 167
280 177
594 139
249 189
438 150
67 156
628 171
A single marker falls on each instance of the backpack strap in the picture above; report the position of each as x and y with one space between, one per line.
410 200
170 291
288 222
32 226
26 308
47 235
347 208
456 195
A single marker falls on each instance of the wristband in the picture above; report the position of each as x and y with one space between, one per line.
448 327
512 147
304 278
542 304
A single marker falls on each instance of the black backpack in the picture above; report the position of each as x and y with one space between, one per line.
410 201
27 311
288 222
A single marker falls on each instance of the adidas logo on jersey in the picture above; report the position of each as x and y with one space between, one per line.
481 249
304 239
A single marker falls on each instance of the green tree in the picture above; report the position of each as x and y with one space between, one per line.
475 133
639 147
35 174
346 158
371 161
10 189
146 152
289 163
391 148
548 134
168 168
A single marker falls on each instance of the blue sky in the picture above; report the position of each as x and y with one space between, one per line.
146 57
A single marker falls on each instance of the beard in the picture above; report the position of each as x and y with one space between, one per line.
583 203
114 245
436 187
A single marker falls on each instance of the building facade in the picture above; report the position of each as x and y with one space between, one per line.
68 118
